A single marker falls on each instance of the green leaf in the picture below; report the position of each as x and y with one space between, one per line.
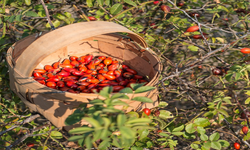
143 133
88 142
203 122
163 104
193 48
81 130
164 114
177 133
207 144
136 148
149 144
106 91
56 134
218 105
229 76
224 143
144 89
74 118
130 2
237 76
56 23
96 102
139 120
164 134
27 2
104 144
204 137
201 130
222 111
119 96
11 18
126 90
18 18
68 15
92 121
97 134
108 2
247 100
215 145
115 9
60 16
194 146
75 138
133 114
142 99
128 133
89 3
135 86
177 129
227 99
121 119
190 128
100 2
119 102
214 137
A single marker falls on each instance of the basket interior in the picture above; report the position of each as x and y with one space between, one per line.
113 45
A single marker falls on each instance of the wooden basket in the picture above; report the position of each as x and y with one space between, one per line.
97 38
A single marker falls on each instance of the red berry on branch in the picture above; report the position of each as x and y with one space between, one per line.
245 129
236 145
192 29
30 144
165 8
156 2
245 50
147 111
180 4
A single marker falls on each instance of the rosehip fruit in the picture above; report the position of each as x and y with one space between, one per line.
245 50
192 29
236 145
147 111
217 71
180 4
245 129
165 8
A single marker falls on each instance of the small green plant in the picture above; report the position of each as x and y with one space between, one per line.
111 126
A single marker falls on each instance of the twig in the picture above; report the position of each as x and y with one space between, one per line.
195 20
82 14
7 109
205 57
47 15
202 34
31 118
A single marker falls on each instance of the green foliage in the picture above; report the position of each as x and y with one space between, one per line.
107 122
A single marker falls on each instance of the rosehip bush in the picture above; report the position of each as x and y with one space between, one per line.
203 90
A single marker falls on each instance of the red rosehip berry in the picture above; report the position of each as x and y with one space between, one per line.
244 129
147 111
236 145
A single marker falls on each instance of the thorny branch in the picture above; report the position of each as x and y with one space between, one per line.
205 57
47 15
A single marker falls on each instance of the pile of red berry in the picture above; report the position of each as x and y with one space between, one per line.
87 74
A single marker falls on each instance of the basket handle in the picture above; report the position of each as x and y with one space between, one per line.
64 36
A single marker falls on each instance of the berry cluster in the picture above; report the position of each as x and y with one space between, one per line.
87 74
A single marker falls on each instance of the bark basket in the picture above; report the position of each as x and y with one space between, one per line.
97 38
